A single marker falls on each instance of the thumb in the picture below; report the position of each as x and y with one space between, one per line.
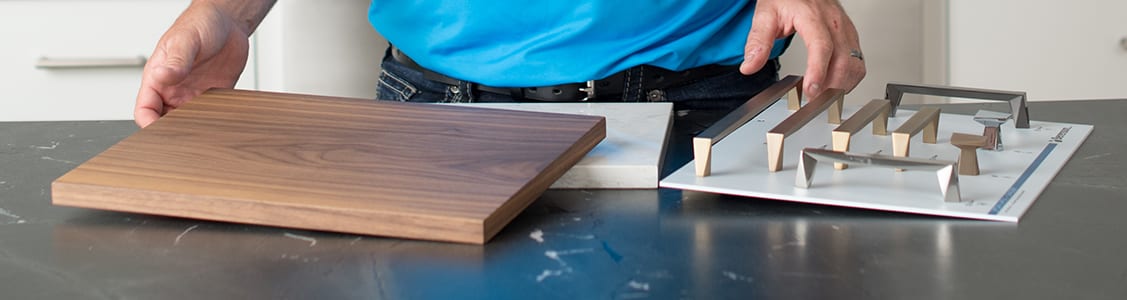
174 58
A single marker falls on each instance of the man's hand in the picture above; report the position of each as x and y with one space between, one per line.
834 59
206 47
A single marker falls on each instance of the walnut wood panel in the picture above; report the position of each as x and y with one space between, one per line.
406 170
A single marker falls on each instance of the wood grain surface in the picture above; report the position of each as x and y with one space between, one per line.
408 170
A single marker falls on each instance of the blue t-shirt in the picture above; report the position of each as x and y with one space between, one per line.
543 42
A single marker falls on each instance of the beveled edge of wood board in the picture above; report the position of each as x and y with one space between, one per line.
483 230
536 187
84 195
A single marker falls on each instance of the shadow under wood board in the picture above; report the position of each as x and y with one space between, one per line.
419 171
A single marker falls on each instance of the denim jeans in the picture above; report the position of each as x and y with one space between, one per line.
696 105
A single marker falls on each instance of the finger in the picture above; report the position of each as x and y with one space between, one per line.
169 65
842 70
846 71
764 30
820 50
149 108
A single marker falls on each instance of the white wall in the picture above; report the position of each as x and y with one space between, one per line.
1053 50
893 35
323 47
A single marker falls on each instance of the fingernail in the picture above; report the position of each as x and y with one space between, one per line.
815 88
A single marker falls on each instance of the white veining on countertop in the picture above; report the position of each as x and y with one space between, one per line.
53 145
6 213
58 160
737 277
564 267
312 241
178 237
537 235
638 285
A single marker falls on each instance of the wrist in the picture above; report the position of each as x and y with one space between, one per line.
246 15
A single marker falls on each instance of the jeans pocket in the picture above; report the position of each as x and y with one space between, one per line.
395 88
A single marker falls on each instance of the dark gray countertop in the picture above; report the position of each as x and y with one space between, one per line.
597 244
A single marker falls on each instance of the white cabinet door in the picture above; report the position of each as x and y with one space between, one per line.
1049 48
109 33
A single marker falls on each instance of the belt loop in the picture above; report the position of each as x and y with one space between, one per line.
641 82
516 93
626 81
471 92
632 85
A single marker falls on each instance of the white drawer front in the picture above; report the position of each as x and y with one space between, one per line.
108 37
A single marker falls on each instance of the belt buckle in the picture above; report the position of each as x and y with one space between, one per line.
590 90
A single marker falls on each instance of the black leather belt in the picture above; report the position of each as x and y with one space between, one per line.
614 85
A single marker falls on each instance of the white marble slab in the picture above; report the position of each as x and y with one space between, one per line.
1009 183
630 156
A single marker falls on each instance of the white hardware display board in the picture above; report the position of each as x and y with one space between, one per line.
629 157
1009 183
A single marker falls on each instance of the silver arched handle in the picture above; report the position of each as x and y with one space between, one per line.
945 170
77 63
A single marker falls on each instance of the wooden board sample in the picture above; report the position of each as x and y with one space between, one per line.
408 170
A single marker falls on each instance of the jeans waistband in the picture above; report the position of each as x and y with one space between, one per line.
655 78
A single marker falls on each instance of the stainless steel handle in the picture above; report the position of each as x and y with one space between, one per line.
945 170
894 91
84 63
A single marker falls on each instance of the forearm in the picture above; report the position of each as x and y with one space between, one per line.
246 14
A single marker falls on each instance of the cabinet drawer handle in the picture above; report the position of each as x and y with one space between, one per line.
79 63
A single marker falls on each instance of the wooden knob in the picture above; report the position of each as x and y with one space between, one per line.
968 145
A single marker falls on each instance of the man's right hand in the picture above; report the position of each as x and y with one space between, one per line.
205 48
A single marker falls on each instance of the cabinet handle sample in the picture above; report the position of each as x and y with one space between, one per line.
944 170
80 63
895 91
